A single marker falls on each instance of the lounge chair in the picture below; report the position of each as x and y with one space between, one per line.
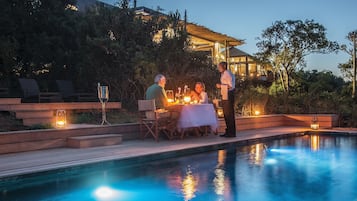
4 92
68 92
31 92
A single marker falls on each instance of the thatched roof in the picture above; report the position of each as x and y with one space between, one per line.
194 30
207 34
235 52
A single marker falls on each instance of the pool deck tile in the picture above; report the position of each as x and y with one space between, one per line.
43 160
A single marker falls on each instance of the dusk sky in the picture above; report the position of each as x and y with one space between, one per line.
247 19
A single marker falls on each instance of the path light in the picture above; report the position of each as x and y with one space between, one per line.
61 120
257 112
220 113
314 123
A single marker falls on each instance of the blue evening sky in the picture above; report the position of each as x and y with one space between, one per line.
247 19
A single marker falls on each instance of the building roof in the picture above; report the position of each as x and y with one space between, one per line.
207 34
235 52
195 30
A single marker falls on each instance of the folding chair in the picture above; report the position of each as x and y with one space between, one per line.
155 121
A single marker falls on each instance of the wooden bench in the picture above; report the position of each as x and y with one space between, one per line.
94 140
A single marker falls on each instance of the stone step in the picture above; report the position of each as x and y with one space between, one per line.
94 140
10 101
34 114
37 121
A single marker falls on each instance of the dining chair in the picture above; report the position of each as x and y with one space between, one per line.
155 121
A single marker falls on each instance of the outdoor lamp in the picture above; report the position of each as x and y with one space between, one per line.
220 113
170 96
314 123
257 113
61 118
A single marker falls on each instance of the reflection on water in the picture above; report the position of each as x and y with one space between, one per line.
315 142
189 185
219 172
298 168
257 154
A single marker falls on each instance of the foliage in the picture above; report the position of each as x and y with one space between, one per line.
286 44
49 40
347 68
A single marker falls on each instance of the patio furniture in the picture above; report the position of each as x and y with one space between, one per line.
31 92
196 116
155 121
68 92
4 92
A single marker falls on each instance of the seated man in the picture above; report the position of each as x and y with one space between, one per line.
199 95
157 92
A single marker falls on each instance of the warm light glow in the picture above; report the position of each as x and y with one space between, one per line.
257 154
61 118
257 112
315 142
220 112
219 178
60 123
170 100
219 181
189 186
187 99
314 126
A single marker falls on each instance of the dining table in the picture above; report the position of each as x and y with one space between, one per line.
195 116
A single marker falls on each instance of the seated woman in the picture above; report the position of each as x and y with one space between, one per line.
199 93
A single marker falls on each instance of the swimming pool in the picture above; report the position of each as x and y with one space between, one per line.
309 167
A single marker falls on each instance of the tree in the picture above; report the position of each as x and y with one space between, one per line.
35 37
286 44
349 69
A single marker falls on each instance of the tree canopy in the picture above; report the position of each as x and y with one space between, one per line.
286 44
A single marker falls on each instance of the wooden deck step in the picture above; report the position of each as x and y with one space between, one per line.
34 114
31 145
94 140
57 106
10 101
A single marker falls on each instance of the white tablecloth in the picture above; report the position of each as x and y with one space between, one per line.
196 115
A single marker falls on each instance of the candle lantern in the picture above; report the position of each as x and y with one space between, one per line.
61 120
170 96
220 112
187 99
314 123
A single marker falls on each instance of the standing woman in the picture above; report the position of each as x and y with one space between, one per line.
227 87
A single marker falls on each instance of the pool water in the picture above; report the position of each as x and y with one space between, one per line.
308 167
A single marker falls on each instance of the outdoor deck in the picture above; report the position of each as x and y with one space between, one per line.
44 160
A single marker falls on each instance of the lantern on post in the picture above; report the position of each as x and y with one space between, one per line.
103 95
61 120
